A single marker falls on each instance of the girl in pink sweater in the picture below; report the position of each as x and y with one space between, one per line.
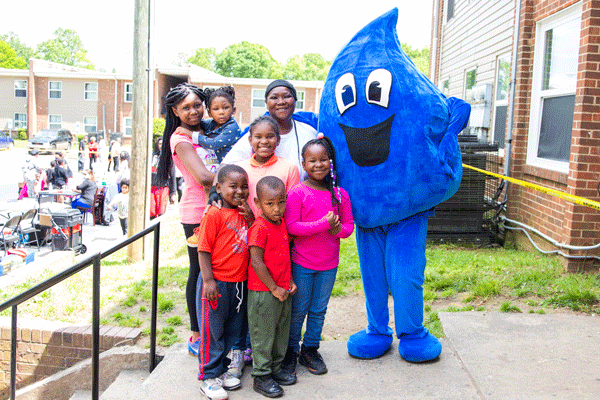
318 214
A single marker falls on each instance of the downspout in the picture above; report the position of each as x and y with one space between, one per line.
513 82
115 108
433 53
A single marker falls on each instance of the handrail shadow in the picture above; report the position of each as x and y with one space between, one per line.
93 260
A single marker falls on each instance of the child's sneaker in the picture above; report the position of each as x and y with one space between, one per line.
288 365
248 356
236 367
230 382
213 389
192 241
193 347
311 359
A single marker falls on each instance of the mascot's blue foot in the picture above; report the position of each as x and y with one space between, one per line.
419 347
368 345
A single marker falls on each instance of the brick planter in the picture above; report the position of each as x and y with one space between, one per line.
45 348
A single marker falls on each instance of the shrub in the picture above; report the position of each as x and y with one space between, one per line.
22 134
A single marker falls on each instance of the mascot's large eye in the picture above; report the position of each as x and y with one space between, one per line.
378 87
345 92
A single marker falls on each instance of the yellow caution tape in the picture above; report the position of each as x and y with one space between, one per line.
575 199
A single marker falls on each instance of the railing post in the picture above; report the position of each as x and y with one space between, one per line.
13 353
96 328
152 363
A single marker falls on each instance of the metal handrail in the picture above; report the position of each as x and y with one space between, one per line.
93 260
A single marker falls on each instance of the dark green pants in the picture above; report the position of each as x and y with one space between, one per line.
269 325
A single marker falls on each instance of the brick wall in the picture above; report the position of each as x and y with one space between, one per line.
563 221
45 348
41 100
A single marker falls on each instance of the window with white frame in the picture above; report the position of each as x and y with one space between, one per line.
91 91
300 101
20 88
445 87
55 90
128 126
553 89
128 92
90 124
470 79
20 121
449 10
258 98
501 98
54 121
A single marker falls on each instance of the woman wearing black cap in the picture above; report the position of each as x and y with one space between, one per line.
296 128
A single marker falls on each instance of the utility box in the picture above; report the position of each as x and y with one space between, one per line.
467 216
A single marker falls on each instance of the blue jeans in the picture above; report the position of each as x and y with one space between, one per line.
78 202
314 290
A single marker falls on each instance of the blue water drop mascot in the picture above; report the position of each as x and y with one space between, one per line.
395 136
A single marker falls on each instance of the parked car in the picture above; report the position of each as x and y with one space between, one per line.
51 139
6 142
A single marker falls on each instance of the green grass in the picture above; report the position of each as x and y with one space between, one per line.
457 279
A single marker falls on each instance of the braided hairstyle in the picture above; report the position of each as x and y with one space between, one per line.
331 179
175 96
226 92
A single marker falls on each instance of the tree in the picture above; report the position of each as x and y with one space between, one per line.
203 57
246 60
23 51
66 48
309 67
9 58
419 57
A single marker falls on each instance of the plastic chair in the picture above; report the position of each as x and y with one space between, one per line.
26 227
10 232
98 206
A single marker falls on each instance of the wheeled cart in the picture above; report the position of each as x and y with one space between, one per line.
67 231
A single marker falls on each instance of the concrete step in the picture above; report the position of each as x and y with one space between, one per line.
388 377
81 395
126 383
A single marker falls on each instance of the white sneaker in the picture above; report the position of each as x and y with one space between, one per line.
230 382
213 389
236 367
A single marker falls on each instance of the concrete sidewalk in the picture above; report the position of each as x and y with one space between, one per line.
485 356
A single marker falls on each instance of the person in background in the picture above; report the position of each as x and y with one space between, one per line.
93 151
124 171
121 204
113 154
160 195
50 175
87 188
61 154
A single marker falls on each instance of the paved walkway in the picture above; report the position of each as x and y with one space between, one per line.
485 356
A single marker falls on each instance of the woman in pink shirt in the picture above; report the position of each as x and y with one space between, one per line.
184 106
318 214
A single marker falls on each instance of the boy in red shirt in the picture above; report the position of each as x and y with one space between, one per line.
221 301
270 287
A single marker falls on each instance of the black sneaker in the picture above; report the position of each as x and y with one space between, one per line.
288 365
266 386
284 378
311 359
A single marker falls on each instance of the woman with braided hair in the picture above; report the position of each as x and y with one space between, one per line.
185 108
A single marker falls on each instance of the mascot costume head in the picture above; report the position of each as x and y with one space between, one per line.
395 136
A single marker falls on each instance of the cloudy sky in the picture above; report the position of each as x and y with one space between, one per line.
180 26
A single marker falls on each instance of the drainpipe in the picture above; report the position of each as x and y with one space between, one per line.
513 81
433 53
115 107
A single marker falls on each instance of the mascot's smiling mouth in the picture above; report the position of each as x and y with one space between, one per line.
369 146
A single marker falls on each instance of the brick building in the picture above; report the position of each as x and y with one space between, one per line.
556 110
57 96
